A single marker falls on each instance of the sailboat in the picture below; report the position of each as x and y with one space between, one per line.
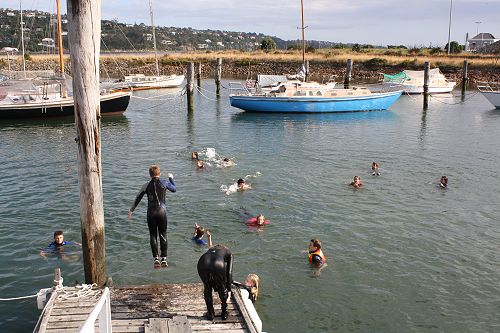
142 82
30 94
308 97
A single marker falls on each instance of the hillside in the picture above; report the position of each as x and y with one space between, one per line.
40 30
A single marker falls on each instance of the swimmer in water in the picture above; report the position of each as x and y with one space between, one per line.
356 183
443 182
375 167
199 233
200 164
194 155
261 219
242 185
57 244
226 162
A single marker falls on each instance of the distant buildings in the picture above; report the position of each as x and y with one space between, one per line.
480 41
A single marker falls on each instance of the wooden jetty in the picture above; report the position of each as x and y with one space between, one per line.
160 308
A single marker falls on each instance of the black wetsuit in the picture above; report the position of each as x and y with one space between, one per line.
156 190
215 268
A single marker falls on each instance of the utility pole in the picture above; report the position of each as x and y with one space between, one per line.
449 26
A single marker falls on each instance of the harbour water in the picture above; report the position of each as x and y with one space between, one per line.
403 254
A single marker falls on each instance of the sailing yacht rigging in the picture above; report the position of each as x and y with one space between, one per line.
141 81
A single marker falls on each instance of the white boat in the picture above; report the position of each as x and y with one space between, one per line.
412 82
142 82
491 91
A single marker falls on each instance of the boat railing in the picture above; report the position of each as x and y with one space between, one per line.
488 86
238 88
101 310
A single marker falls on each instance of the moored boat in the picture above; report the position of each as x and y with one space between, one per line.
313 98
491 91
48 96
412 82
142 82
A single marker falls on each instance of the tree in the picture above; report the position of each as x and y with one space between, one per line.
356 47
268 44
454 47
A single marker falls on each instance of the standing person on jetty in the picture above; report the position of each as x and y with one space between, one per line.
156 190
215 268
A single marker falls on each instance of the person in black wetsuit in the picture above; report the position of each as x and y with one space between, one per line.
215 268
156 190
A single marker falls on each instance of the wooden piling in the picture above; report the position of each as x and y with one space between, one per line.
465 77
190 85
198 75
84 30
426 84
348 70
218 76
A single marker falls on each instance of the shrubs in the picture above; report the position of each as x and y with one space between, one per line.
375 63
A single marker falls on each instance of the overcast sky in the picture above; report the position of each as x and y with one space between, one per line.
378 22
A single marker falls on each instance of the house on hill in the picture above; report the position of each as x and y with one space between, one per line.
476 43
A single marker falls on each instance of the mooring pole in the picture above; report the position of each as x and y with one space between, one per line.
198 75
348 70
218 76
190 85
465 77
426 84
84 27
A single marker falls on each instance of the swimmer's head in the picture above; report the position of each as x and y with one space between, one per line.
252 280
200 231
200 164
444 180
194 155
315 244
58 237
241 182
260 219
226 159
154 171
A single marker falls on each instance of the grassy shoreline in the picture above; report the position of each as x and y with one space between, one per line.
323 64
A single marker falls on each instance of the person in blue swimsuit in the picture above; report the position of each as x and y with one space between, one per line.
156 190
199 233
57 244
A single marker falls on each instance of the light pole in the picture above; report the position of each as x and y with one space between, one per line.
449 27
477 27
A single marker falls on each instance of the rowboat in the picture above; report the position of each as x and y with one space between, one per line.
491 91
412 82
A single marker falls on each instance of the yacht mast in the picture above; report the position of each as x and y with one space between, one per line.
22 37
154 36
303 37
59 38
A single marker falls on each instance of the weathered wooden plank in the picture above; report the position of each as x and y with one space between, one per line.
157 325
179 324
216 327
223 331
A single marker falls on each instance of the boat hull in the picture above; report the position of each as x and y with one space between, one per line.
110 104
418 89
493 97
376 101
157 83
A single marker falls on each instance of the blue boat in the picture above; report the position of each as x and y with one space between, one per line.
306 98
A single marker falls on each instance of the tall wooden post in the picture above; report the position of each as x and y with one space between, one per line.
465 77
426 84
84 27
198 75
348 70
218 76
190 85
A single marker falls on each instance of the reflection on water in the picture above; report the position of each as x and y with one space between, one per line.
341 117
54 122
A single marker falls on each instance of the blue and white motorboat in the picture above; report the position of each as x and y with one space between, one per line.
308 97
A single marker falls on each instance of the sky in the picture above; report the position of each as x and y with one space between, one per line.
376 22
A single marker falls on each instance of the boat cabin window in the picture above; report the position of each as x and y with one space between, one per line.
300 93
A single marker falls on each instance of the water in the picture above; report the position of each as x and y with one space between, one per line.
403 255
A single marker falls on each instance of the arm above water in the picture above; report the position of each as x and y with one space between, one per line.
169 184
